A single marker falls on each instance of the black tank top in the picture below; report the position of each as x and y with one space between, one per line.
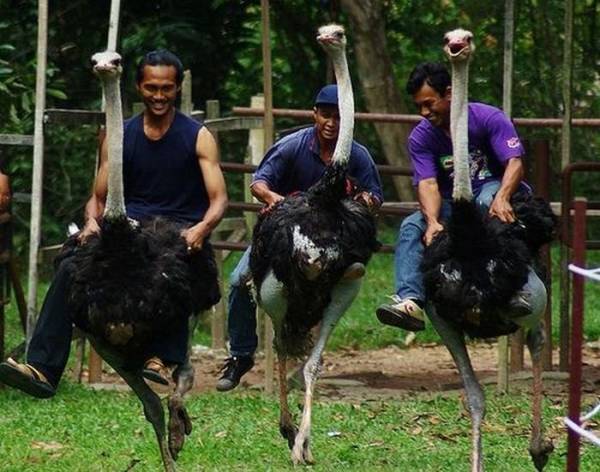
163 177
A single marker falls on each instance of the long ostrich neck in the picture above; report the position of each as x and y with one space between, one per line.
115 200
341 153
459 130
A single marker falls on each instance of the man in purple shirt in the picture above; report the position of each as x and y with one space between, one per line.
293 164
496 173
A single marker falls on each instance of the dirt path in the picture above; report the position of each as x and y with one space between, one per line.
396 372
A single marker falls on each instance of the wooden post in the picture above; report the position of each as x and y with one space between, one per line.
567 79
541 152
502 385
113 25
213 111
256 151
268 128
38 167
579 244
186 94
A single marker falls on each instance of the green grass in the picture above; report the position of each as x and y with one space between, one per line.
84 430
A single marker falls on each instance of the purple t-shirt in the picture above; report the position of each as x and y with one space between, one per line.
493 140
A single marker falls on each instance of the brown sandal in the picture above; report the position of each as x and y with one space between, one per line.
154 370
26 378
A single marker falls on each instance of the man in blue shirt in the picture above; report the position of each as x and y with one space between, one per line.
293 164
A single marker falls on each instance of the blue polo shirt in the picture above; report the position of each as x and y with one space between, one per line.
294 164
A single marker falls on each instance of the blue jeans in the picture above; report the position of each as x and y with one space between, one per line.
409 248
241 316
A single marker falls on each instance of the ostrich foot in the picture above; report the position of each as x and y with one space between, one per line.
301 454
540 452
288 431
180 425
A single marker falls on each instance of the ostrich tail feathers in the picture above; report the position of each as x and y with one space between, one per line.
536 219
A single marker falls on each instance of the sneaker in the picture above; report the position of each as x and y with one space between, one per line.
26 378
156 371
403 313
233 370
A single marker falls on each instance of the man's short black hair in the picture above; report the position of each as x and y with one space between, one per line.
160 57
433 74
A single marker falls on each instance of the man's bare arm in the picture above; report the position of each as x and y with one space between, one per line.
94 208
430 201
262 192
513 175
214 182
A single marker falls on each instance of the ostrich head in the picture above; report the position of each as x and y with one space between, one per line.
459 45
107 65
332 38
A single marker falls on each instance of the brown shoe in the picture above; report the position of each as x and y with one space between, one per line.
26 378
156 371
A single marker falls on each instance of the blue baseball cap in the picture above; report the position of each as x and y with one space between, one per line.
328 95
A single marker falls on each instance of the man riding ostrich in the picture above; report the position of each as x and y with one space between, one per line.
142 265
308 256
477 263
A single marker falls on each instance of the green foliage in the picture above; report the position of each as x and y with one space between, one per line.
220 42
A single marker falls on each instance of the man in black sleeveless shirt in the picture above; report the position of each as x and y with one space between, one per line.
170 169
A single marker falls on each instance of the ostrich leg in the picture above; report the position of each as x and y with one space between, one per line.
539 448
341 298
153 411
455 342
180 423
286 424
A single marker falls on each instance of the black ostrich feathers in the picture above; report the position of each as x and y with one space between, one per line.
341 229
473 269
138 277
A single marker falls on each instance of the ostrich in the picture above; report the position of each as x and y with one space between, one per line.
305 254
478 264
130 281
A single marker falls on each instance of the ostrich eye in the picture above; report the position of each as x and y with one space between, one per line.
446 39
339 34
93 62
117 62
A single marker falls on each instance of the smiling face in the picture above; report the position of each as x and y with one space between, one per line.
327 119
433 106
158 89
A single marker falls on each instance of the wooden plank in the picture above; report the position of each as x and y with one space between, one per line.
234 123
73 117
16 140
217 321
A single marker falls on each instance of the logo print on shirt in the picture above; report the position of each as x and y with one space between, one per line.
513 142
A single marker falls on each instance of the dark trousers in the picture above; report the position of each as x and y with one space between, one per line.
51 341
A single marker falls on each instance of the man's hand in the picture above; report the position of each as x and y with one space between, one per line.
272 199
91 227
194 236
502 209
433 229
367 198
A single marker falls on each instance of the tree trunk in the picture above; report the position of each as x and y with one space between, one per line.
376 77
